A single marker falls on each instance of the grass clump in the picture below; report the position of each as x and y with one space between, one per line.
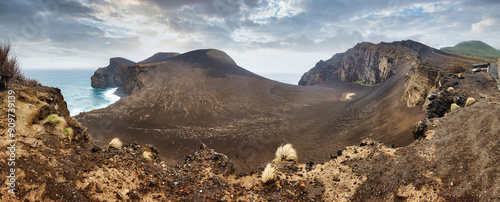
268 174
148 156
115 143
470 101
454 107
359 82
69 132
285 152
56 120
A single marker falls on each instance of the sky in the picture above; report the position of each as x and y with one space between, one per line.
272 36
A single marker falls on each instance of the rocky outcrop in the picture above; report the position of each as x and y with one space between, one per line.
493 70
122 73
365 63
112 75
419 83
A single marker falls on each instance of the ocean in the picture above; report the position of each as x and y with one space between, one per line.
80 97
75 87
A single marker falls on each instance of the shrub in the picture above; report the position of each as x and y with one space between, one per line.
470 101
456 68
454 107
285 152
115 143
31 82
148 156
9 66
268 174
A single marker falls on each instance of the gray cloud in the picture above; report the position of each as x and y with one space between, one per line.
313 26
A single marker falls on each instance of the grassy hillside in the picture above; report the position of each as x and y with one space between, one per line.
477 48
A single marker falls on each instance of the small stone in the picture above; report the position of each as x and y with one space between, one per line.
119 196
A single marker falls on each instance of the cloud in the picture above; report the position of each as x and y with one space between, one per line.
137 29
482 25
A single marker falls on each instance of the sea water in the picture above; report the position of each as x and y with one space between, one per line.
81 97
75 87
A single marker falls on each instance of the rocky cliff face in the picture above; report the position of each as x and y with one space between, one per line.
110 76
419 82
372 64
365 63
120 72
493 70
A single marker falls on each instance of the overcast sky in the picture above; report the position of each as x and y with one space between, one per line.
260 35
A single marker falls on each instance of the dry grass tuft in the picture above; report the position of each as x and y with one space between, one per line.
115 143
148 156
69 133
470 101
285 152
450 89
59 122
268 174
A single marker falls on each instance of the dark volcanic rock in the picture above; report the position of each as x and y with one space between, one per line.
419 129
111 76
440 103
367 63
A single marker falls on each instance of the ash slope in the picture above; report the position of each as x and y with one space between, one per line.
203 96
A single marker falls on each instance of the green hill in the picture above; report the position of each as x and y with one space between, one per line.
477 48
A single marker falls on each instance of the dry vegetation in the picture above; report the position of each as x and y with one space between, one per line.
10 70
115 143
285 153
457 68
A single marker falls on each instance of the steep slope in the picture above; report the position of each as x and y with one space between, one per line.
367 63
158 57
477 48
204 96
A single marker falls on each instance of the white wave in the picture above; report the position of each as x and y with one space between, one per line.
75 112
111 96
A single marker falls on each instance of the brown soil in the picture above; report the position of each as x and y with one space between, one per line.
199 98
459 160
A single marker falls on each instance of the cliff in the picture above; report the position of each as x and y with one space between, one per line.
117 73
493 70
112 75
372 64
